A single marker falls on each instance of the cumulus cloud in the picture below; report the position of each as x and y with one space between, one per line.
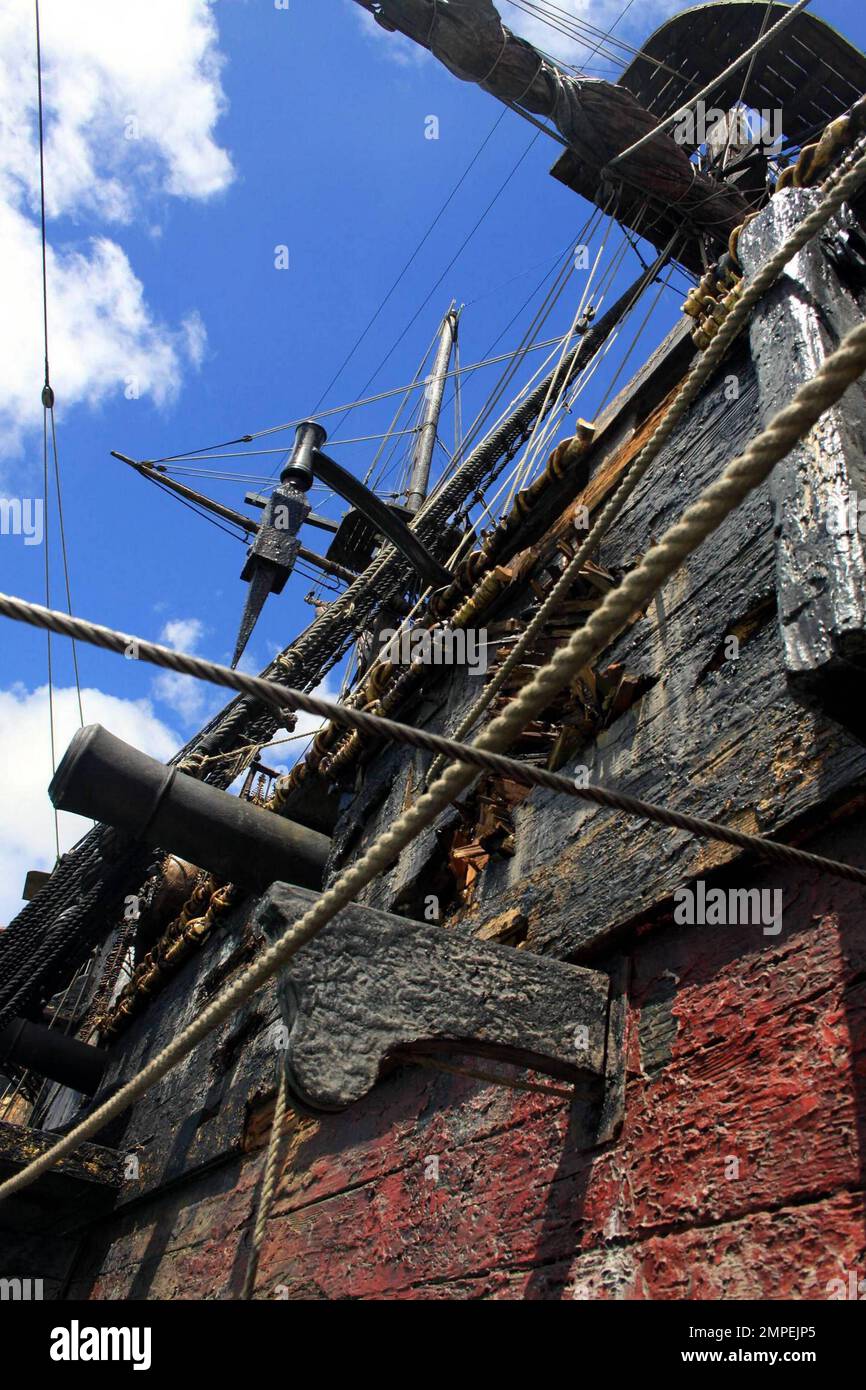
396 48
104 337
288 746
184 695
26 814
182 633
132 98
306 726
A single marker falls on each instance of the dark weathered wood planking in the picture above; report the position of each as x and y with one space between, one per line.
41 1228
579 872
197 1113
719 738
91 1164
821 560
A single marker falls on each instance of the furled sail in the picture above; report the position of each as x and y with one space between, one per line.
597 119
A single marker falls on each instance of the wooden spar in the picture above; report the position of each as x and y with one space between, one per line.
246 523
598 119
422 456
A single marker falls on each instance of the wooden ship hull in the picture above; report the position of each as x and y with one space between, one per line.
710 1143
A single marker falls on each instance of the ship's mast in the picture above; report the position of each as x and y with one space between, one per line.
422 456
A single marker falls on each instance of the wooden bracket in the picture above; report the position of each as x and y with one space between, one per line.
372 985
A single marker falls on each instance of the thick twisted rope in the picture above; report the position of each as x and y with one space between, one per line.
476 757
699 520
269 1184
838 188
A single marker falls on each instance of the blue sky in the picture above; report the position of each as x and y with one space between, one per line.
253 127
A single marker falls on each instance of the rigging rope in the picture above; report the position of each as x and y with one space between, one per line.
47 398
486 361
545 431
451 263
530 451
324 642
608 34
663 285
541 316
269 1182
568 27
63 551
562 403
479 757
49 931
41 127
416 383
48 412
746 80
45 540
455 190
591 29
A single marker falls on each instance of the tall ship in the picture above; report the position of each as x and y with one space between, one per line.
541 974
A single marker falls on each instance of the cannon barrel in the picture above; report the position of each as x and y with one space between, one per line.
108 780
50 1053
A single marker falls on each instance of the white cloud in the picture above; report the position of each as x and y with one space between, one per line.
395 47
306 724
562 38
184 634
195 337
103 337
132 97
290 745
569 38
26 814
184 695
285 755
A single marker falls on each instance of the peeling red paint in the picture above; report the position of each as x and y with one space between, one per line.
738 1172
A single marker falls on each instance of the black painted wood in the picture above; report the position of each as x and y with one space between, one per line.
79 1186
817 489
716 734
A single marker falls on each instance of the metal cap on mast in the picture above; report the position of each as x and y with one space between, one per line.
272 555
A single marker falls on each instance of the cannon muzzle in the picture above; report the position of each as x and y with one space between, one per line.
108 780
51 1053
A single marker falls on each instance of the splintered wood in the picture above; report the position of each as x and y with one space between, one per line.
587 706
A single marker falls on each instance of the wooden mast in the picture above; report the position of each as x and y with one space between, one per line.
422 456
